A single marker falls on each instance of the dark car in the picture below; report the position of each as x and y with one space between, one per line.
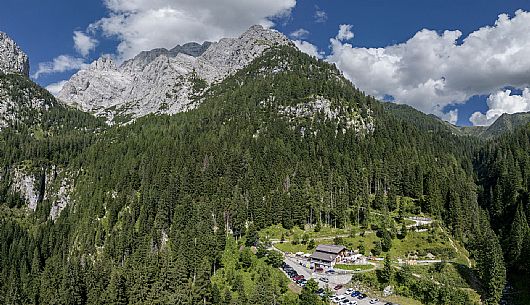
362 296
338 287
389 303
299 282
355 293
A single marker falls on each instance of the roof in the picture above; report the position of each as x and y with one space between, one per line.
330 249
326 257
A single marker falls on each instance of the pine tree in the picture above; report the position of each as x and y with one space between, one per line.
517 236
385 275
386 241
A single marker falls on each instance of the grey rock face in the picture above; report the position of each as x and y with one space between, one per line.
162 81
21 101
12 58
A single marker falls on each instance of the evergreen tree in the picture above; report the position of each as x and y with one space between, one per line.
518 233
385 275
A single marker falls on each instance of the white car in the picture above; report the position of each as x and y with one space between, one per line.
349 290
373 301
353 302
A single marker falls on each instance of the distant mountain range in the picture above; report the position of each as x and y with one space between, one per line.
505 123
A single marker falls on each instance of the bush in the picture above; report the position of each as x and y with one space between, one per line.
274 258
338 240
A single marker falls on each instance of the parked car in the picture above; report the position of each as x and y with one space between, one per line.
389 303
373 301
362 296
355 293
324 279
345 302
298 277
349 290
301 282
338 287
353 302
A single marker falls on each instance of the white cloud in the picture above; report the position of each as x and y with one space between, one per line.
62 63
320 16
345 32
450 116
299 34
83 43
146 24
433 70
308 48
499 103
55 88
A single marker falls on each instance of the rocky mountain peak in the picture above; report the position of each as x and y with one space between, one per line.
103 63
141 60
161 80
12 58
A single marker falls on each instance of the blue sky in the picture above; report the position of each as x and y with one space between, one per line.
45 32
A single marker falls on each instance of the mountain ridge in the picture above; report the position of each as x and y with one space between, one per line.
158 82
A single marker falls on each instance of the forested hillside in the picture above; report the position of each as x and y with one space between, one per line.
503 169
155 205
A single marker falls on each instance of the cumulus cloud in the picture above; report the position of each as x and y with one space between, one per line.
299 34
55 88
345 32
433 70
502 102
450 116
83 43
146 24
61 63
308 48
320 15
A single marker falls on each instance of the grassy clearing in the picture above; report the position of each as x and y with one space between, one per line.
354 267
289 247
421 243
402 300
418 243
277 231
453 275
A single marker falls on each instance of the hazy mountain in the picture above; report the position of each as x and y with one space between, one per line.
504 124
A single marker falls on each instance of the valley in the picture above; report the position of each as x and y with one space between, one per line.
115 192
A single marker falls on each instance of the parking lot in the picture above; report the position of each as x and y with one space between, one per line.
333 280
